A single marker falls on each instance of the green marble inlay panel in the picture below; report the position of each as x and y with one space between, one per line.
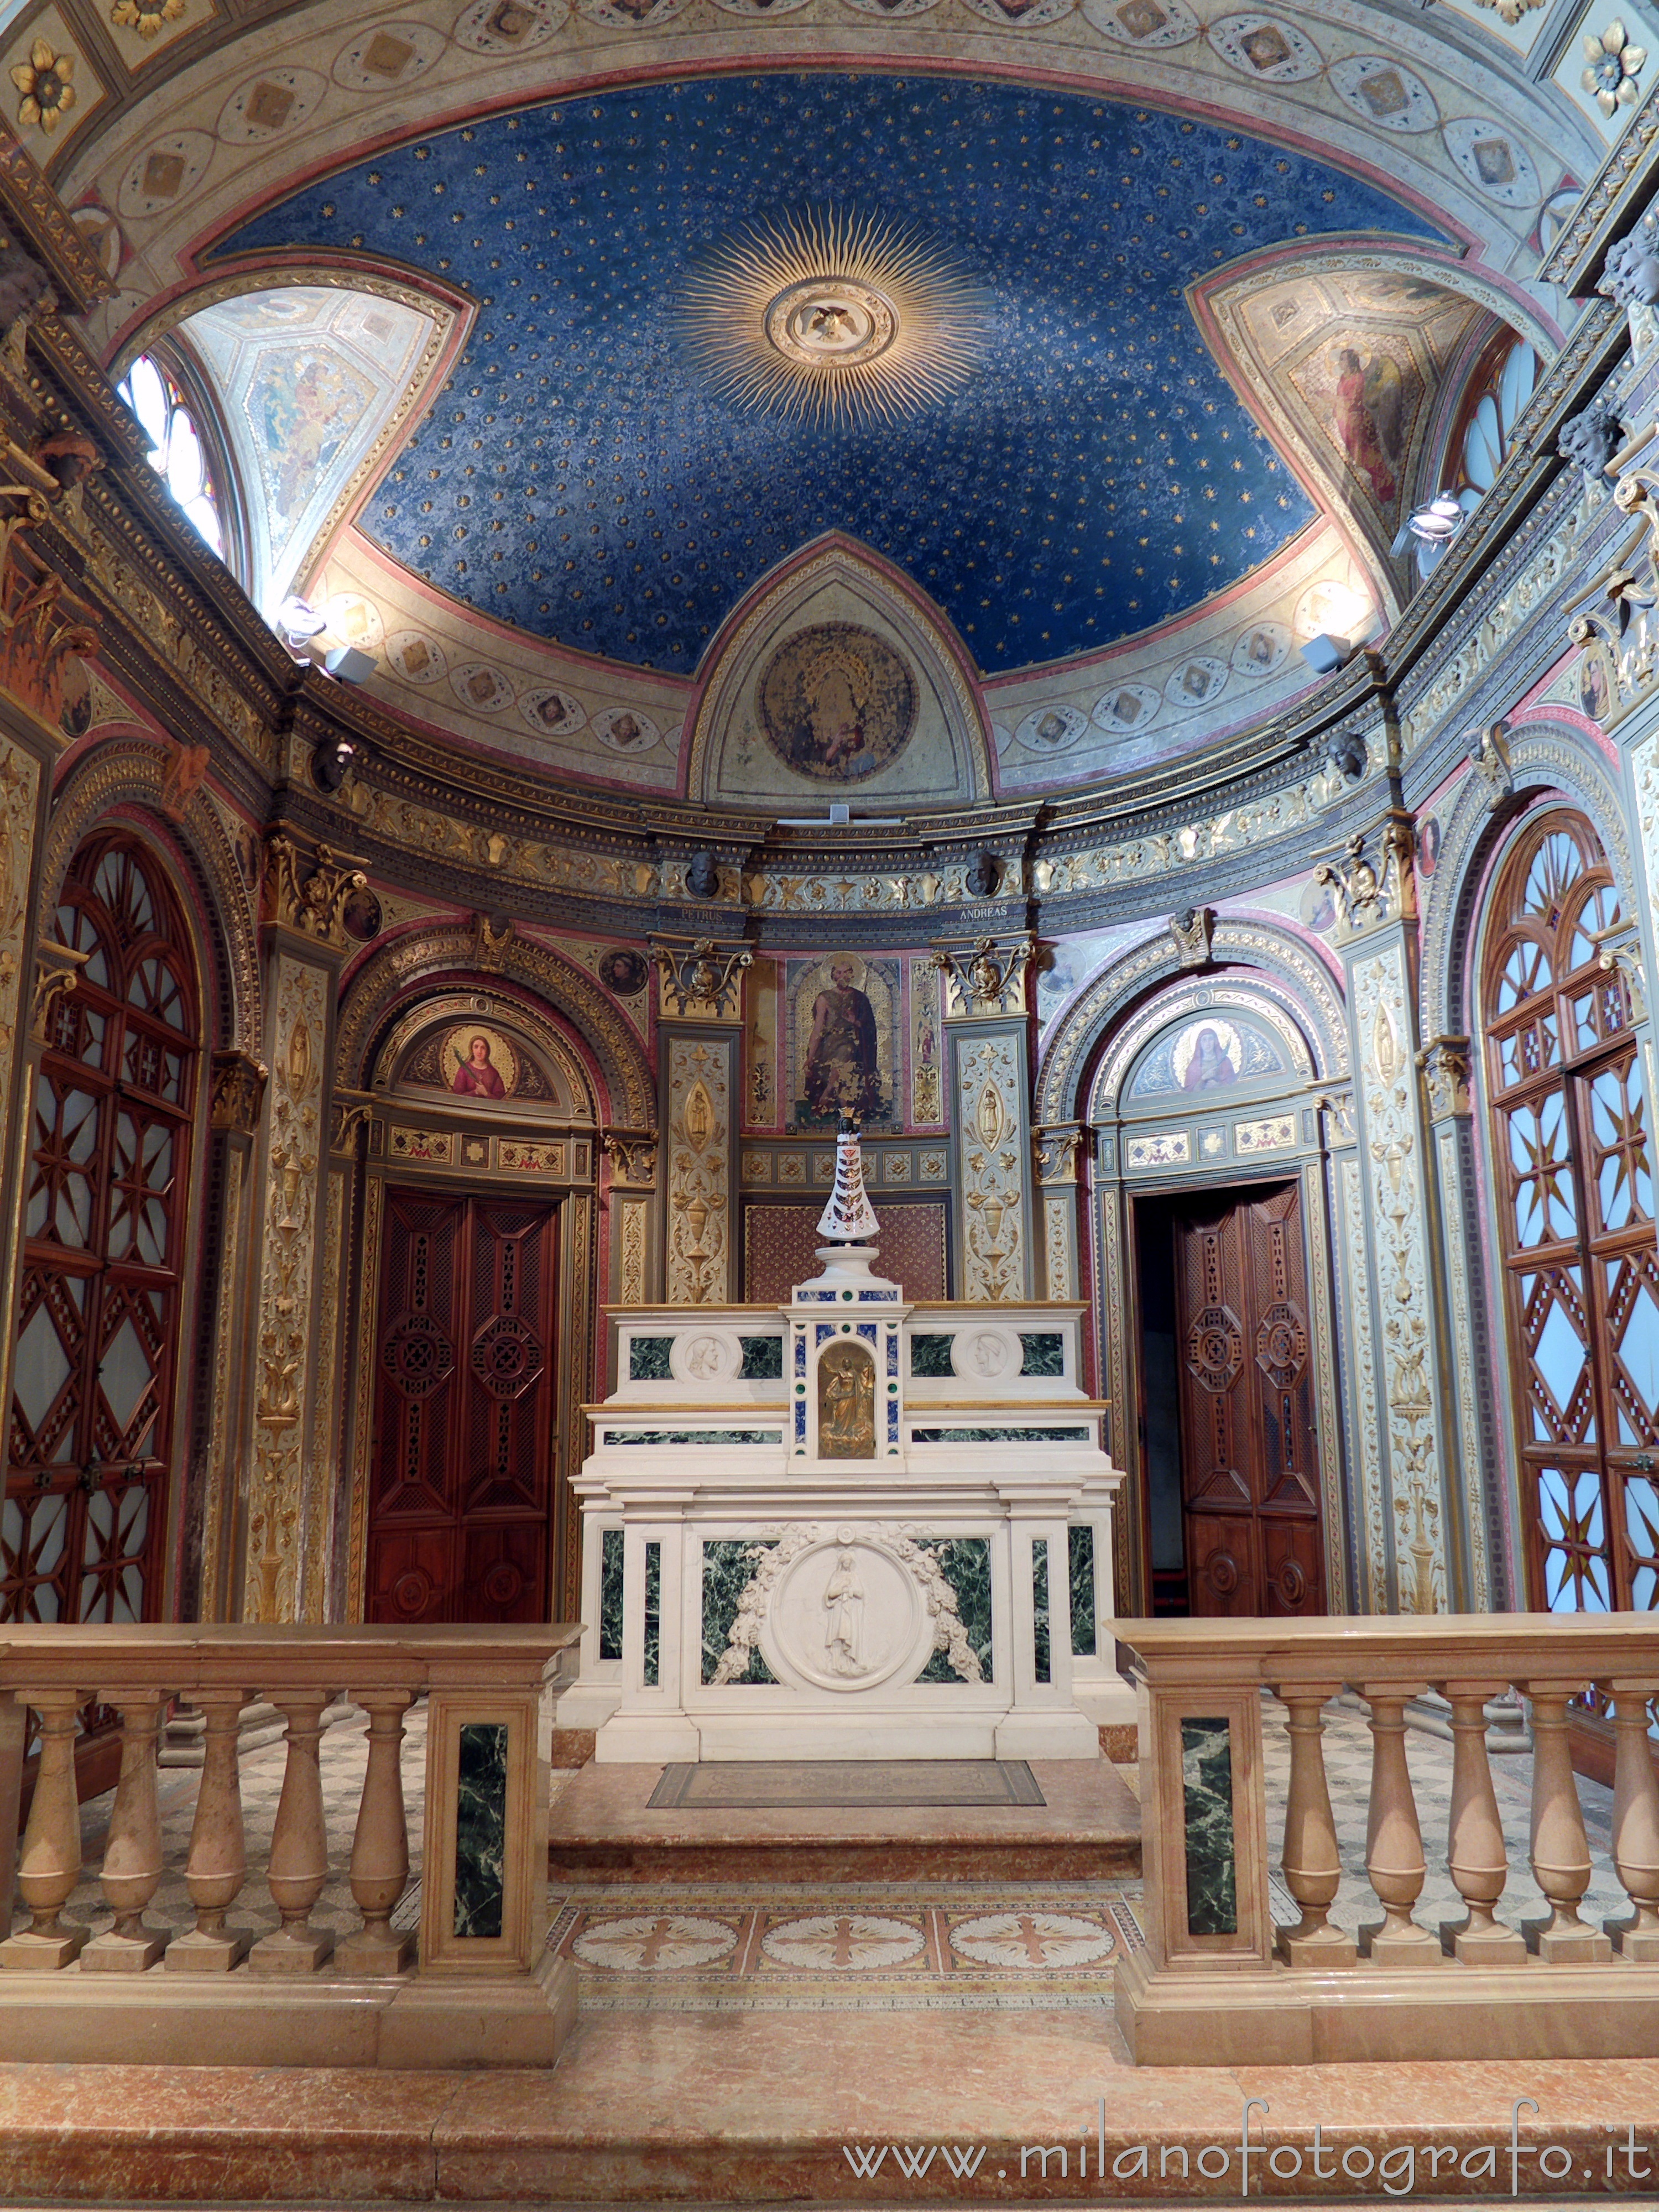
965 1564
729 1566
653 1613
930 1353
1039 1654
480 1828
648 1360
998 1436
762 1360
1080 1566
1043 1353
611 1593
693 1437
1206 1781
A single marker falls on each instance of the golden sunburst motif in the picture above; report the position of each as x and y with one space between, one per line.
836 318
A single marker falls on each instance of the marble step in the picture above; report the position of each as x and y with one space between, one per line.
603 1829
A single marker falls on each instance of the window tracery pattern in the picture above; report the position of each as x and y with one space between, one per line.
178 454
82 1519
1574 1174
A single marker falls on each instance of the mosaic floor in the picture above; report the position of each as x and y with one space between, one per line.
916 1946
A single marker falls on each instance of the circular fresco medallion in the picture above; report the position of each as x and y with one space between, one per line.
837 702
828 322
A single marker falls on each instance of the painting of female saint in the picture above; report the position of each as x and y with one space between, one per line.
479 1062
837 702
1212 1055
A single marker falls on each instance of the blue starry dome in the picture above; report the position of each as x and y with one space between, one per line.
1065 466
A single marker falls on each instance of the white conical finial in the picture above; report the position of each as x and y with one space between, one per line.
848 1217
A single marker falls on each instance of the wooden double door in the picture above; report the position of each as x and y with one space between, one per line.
1243 1360
461 1479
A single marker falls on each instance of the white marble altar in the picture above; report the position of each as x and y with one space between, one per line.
846 1527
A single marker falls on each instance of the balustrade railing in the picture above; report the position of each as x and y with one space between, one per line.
1218 1981
471 1985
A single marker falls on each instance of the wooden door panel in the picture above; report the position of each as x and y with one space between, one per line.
461 1482
1221 1565
1292 1569
504 1571
1250 1468
412 1574
416 1360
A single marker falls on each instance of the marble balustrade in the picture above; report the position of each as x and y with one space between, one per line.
378 1994
1219 1981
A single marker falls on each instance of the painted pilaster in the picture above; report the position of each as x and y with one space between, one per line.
699 1047
1408 1561
291 1487
631 1200
1057 1153
1478 1561
25 999
236 1098
988 1033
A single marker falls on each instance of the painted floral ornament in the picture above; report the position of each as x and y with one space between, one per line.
145 16
1615 65
43 79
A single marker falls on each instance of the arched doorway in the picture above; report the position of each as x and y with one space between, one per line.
101 1304
1573 1191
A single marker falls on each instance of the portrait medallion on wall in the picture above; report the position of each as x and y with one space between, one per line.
479 1062
624 971
837 702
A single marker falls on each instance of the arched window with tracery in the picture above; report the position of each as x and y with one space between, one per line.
1574 1181
83 1518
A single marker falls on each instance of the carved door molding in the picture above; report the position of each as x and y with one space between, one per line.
1250 1483
461 1474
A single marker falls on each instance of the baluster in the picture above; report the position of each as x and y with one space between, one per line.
1393 1841
379 1849
133 1850
1313 1868
49 1864
217 1865
1475 1851
299 1846
1635 1820
1560 1849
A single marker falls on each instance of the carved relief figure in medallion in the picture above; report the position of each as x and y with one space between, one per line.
843 1633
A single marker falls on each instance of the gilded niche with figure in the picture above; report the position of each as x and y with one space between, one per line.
837 702
846 1403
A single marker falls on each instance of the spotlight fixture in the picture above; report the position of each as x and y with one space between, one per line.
298 621
1431 528
350 664
1325 654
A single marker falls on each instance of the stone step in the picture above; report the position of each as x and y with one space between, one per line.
603 1829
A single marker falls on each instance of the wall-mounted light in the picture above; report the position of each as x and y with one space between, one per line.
350 664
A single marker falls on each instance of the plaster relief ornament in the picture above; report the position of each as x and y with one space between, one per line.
46 81
145 16
1630 275
835 318
1615 62
1591 439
